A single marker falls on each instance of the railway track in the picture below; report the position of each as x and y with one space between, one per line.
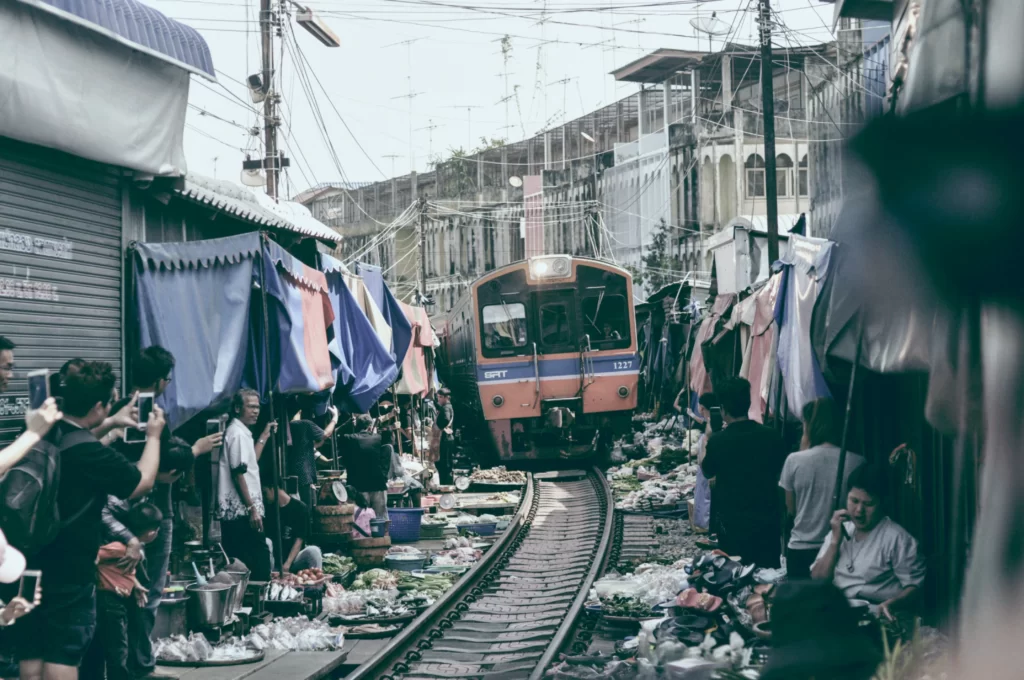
511 614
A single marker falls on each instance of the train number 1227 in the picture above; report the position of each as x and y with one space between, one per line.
621 365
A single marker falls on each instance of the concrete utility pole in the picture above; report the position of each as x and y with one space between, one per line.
423 249
272 161
768 114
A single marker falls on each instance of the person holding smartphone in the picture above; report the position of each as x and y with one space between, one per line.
38 420
51 640
12 568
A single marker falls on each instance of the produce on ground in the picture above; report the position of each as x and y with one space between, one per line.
498 475
458 556
337 564
306 577
375 579
622 605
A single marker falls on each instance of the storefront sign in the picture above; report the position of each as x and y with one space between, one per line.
23 289
13 406
36 245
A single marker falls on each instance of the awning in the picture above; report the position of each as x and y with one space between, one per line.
140 27
254 207
401 329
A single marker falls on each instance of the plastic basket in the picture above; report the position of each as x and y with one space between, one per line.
405 524
482 529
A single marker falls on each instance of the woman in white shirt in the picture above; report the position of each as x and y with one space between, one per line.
866 554
239 495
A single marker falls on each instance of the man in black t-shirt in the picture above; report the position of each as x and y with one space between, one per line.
367 465
51 641
294 532
746 460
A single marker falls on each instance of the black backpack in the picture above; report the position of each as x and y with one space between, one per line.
29 516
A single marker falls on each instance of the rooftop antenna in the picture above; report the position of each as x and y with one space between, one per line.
710 26
639 20
469 124
393 157
412 95
430 128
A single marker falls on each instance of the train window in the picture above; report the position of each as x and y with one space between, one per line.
504 326
555 323
606 320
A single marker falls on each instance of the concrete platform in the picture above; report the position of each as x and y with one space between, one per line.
276 664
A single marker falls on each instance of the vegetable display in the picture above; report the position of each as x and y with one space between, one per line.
336 564
375 579
498 475
306 577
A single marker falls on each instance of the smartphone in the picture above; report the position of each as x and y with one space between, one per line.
716 418
214 426
145 404
38 388
133 435
30 579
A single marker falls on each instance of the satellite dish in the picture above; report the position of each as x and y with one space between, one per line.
515 181
710 25
253 178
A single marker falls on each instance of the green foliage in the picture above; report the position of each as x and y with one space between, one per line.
661 266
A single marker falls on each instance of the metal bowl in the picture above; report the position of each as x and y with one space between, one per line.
210 605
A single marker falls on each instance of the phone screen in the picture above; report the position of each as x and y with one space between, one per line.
38 388
716 418
145 405
29 584
213 426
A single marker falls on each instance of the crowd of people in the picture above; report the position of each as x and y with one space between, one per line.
104 554
752 492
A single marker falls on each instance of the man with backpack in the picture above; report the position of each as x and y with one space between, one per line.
61 530
37 423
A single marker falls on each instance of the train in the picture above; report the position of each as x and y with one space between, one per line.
541 357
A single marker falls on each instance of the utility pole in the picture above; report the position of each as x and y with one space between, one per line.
423 249
768 114
272 161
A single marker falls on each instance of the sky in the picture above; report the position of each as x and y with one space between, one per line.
555 67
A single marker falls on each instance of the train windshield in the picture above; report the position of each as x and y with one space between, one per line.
606 320
504 326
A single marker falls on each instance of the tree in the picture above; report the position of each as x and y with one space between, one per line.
660 265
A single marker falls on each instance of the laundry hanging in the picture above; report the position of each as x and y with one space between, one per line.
415 370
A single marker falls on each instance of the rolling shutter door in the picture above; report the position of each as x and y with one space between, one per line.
60 265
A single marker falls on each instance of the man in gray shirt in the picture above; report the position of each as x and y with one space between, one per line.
809 478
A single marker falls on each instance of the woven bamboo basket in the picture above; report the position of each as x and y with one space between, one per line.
333 519
369 552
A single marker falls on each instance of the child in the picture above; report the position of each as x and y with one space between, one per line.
118 593
363 513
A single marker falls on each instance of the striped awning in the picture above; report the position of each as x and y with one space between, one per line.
139 27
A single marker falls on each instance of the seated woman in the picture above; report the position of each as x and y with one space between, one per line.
866 554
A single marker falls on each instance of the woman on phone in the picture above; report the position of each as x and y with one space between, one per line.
866 554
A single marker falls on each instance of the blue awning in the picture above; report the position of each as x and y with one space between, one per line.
139 27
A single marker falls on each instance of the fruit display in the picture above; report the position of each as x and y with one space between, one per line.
306 577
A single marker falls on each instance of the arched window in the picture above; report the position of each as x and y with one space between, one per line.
803 179
754 168
784 175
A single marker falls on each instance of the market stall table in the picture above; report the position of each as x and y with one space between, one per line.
276 664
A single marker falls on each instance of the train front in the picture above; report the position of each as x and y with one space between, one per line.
556 366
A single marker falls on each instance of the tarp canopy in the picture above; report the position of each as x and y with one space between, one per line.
401 329
362 296
210 339
415 369
299 313
365 368
196 300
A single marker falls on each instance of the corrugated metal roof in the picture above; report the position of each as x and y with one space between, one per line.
139 27
254 207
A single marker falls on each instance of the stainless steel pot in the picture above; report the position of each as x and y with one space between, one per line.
210 605
242 580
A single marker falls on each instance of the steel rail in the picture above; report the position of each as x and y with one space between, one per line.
392 653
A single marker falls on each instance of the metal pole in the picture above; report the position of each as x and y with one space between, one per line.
423 249
838 489
272 159
274 438
768 114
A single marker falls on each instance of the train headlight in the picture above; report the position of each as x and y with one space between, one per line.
623 391
498 400
551 267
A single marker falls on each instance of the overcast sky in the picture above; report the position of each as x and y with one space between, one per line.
456 61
